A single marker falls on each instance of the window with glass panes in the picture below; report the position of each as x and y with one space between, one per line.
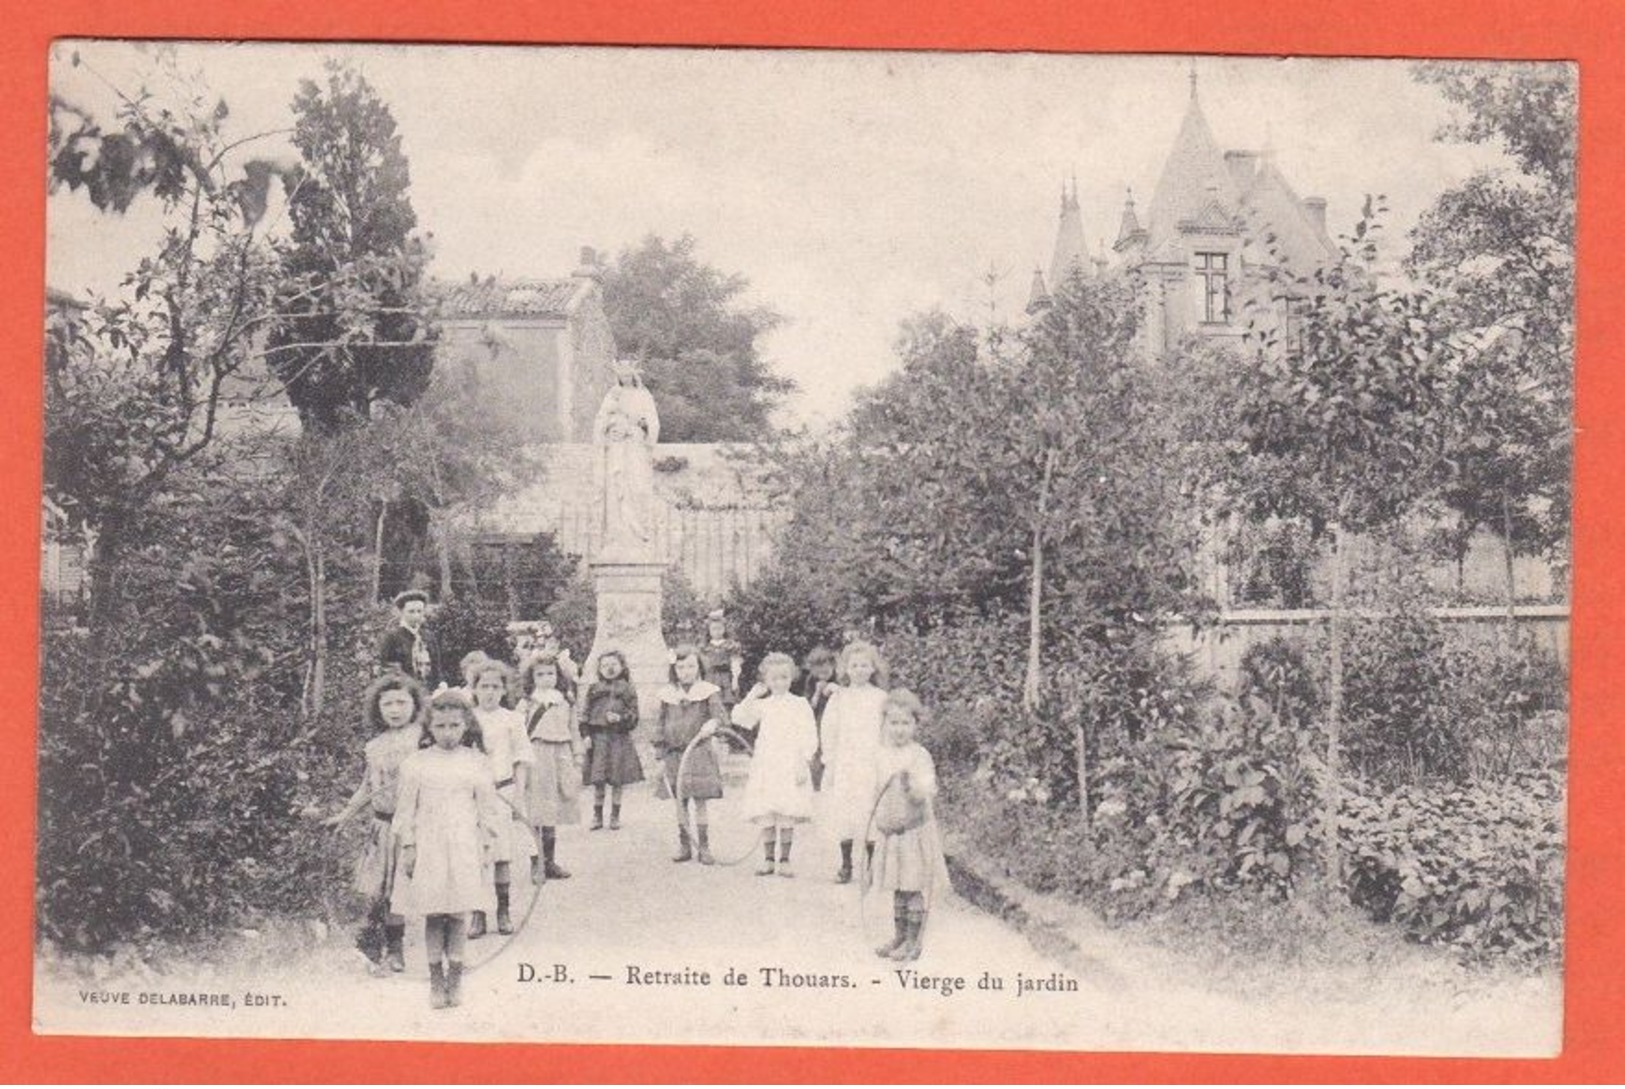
1213 271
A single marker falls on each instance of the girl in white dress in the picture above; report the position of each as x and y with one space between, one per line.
778 794
851 738
447 813
503 731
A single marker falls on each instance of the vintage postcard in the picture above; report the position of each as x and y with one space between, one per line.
868 549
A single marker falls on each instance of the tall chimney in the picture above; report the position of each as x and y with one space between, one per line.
590 267
1316 207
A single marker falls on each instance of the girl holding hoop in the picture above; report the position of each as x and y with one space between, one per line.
691 711
908 856
394 707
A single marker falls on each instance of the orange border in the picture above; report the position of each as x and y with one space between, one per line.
1588 32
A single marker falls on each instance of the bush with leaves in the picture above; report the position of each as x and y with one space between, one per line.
574 615
168 779
464 625
1477 868
777 613
682 610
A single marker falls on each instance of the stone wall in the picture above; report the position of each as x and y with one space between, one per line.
1217 651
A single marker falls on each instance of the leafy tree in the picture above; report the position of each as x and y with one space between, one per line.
1500 249
352 329
136 387
699 344
1038 476
1342 421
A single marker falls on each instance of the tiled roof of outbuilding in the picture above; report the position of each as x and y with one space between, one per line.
493 298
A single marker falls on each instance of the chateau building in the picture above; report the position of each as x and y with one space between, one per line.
1214 215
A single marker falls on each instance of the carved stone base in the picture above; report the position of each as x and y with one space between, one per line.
629 603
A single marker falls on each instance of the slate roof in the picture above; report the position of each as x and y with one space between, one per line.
1070 250
492 298
1206 190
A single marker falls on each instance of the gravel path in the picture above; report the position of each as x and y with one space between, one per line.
634 948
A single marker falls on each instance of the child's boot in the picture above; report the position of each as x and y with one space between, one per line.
784 855
454 983
504 920
438 999
704 856
844 874
614 817
370 939
685 850
550 869
394 942
899 917
476 926
914 927
597 816
766 868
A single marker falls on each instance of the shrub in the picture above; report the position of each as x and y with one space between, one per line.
1426 701
777 612
681 608
575 615
463 625
166 786
1278 672
1477 868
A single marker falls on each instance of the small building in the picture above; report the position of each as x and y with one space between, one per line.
540 348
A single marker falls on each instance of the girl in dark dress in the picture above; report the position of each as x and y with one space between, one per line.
723 659
609 714
690 708
817 684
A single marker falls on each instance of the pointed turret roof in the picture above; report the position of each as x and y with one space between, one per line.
1195 182
1071 252
1129 228
1038 296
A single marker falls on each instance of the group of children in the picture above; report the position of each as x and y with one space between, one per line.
467 783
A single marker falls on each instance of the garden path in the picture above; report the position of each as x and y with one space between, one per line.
628 912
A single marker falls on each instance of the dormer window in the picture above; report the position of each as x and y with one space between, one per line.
1213 273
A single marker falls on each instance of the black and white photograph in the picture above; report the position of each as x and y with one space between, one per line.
761 547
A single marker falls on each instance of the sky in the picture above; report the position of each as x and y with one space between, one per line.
851 189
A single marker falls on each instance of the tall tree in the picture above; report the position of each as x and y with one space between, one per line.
136 386
353 328
700 344
1499 248
1342 419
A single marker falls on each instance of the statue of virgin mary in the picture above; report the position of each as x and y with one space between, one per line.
625 432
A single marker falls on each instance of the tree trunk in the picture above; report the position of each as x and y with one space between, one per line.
1080 739
1035 592
378 552
509 589
103 561
1334 715
443 553
318 677
1506 552
307 702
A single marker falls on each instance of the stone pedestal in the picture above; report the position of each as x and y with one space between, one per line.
629 621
